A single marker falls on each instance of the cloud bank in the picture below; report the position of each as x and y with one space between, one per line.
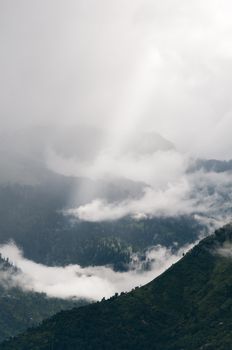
92 282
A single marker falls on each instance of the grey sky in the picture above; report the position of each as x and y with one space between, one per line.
131 65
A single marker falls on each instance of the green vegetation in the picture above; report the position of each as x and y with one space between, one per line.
188 307
22 309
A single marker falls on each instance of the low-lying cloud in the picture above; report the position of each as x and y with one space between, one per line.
179 192
92 282
168 202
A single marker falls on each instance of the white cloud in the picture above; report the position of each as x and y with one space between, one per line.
168 202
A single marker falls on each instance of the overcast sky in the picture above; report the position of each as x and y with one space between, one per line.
121 65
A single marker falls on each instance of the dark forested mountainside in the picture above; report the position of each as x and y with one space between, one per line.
21 309
30 215
188 307
212 165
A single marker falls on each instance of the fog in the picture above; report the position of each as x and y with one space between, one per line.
122 66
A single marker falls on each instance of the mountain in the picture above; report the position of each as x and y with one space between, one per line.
32 217
188 307
22 309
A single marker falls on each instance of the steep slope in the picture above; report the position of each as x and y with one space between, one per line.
188 307
20 309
